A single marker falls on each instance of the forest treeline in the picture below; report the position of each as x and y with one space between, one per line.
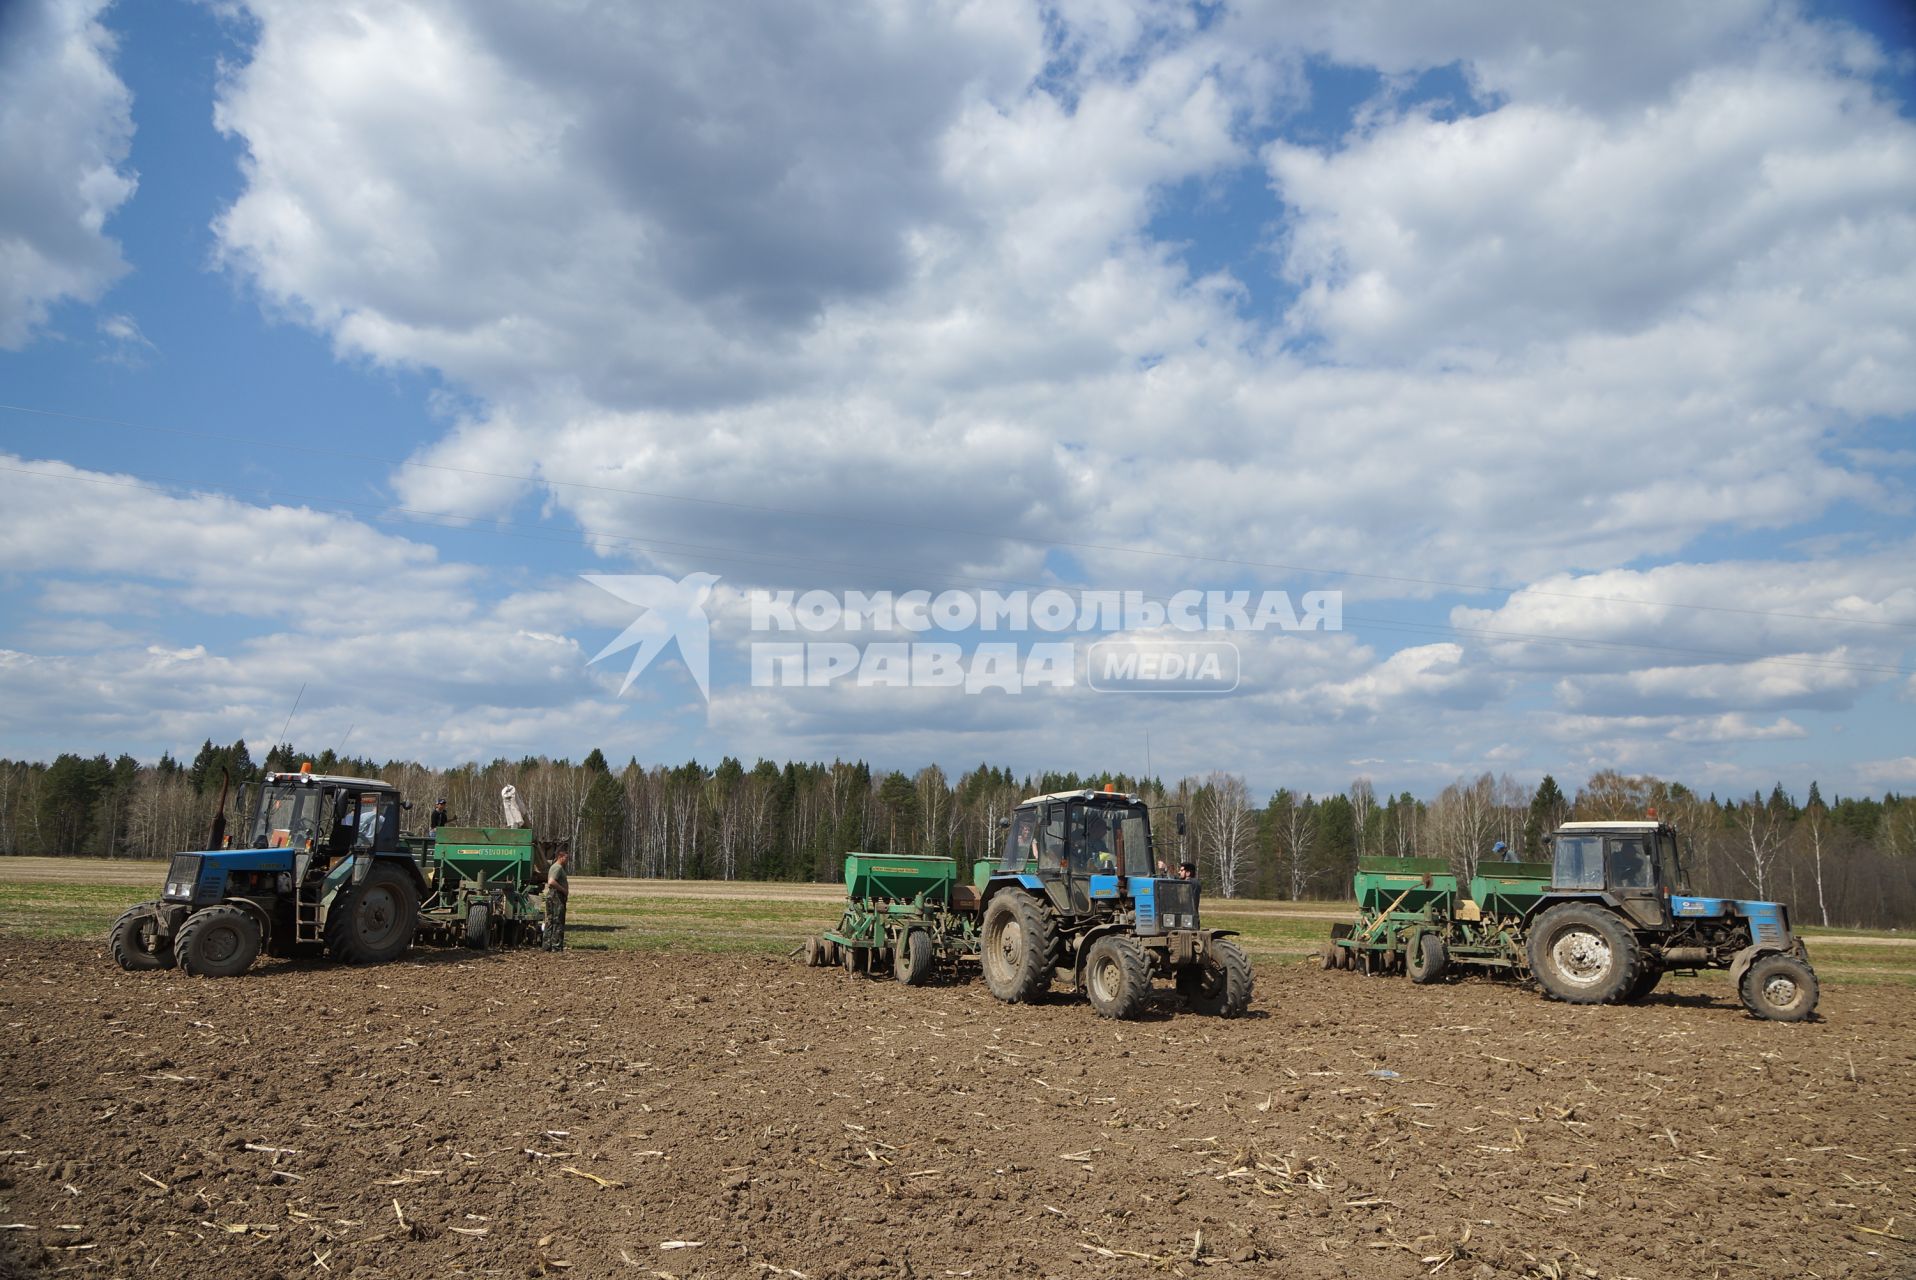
1840 861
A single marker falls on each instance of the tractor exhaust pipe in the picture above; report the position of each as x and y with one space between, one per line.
1674 957
217 838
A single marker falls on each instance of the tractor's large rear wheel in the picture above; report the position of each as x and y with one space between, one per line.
1779 987
1117 977
219 942
136 942
1017 948
1584 954
373 921
1221 986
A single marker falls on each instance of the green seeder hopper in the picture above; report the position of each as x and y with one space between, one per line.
482 887
1412 919
908 913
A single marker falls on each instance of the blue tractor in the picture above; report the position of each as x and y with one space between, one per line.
1078 888
1618 915
323 870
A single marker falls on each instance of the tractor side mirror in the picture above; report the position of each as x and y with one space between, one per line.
1180 823
1004 824
406 805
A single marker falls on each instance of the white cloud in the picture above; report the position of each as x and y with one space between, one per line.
125 343
1735 727
1533 222
216 555
888 311
639 205
1890 773
1709 642
65 129
424 657
1864 602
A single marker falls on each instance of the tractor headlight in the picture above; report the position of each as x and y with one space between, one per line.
181 875
285 882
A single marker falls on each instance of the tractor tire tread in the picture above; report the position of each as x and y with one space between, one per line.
1223 991
187 942
342 944
1426 960
911 962
479 927
1750 990
1030 976
124 943
1123 999
1629 957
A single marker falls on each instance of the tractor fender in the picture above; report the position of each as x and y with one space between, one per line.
363 865
261 916
1010 883
1741 962
1084 942
1595 897
170 916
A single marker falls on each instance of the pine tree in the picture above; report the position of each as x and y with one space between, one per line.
1547 810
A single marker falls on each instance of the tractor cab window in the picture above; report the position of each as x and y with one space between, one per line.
1093 840
1670 863
1021 841
369 819
288 817
1051 839
1579 863
1131 840
366 820
1631 864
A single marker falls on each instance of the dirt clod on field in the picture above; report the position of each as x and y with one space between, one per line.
635 1114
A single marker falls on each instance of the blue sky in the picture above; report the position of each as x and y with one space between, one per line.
1574 351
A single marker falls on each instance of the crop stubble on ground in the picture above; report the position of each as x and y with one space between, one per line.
527 1114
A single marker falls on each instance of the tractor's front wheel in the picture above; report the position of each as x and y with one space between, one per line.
1584 954
373 922
911 958
1779 987
219 942
1221 986
136 942
1116 976
1016 948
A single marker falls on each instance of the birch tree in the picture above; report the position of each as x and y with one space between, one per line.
1226 829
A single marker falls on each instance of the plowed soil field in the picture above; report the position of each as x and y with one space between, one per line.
642 1114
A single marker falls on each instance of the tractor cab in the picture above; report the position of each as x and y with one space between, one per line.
1633 865
1079 846
327 815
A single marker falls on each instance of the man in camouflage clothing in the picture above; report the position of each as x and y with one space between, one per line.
556 892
